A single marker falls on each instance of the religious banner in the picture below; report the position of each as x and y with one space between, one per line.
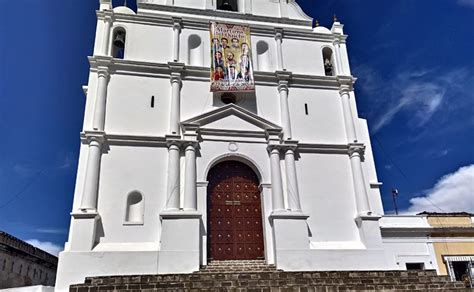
231 58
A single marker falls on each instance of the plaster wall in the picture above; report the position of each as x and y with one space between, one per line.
325 184
125 169
409 250
129 108
324 122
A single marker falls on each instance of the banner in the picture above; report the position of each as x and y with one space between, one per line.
231 58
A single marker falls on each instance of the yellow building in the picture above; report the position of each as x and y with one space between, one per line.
452 237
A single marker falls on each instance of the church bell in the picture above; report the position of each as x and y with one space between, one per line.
119 40
226 6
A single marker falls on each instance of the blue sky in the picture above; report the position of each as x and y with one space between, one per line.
414 61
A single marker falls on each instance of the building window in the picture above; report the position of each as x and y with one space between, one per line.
328 62
152 101
263 56
306 108
134 212
118 43
195 50
227 5
227 98
415 266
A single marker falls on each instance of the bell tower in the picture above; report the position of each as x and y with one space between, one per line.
175 172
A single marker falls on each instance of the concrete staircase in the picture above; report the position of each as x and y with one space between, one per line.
256 276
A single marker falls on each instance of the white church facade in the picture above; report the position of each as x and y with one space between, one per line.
172 176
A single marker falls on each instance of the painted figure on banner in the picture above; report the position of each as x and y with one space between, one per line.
231 68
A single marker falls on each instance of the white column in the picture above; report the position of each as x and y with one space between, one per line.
108 19
292 181
347 113
279 39
284 109
190 194
277 186
337 55
176 36
172 200
175 112
91 183
362 201
100 99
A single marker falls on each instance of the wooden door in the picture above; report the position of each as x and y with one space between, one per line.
234 213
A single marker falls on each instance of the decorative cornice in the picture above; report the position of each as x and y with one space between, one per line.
356 149
346 83
93 136
177 23
163 70
260 25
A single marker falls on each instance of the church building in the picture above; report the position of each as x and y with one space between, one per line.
221 130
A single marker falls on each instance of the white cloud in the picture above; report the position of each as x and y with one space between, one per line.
419 95
468 3
454 192
46 246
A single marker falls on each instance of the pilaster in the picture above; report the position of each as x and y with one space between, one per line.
289 150
175 111
283 90
103 74
277 185
177 24
108 22
279 47
345 87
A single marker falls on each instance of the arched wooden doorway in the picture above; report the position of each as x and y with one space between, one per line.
234 224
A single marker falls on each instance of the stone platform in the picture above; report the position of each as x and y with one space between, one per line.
256 276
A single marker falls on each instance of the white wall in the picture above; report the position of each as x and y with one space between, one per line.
325 184
125 169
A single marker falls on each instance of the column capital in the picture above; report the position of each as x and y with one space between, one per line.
190 145
283 86
289 146
272 148
175 77
109 16
177 23
346 82
94 136
278 33
103 71
356 149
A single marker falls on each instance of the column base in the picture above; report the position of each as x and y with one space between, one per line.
369 229
180 242
83 230
290 234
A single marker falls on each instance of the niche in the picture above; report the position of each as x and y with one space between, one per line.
135 208
263 56
195 50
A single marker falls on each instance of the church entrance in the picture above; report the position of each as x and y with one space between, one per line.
234 213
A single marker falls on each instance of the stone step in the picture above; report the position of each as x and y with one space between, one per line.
273 275
273 281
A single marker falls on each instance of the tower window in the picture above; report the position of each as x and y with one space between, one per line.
152 102
328 61
306 108
227 5
118 43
